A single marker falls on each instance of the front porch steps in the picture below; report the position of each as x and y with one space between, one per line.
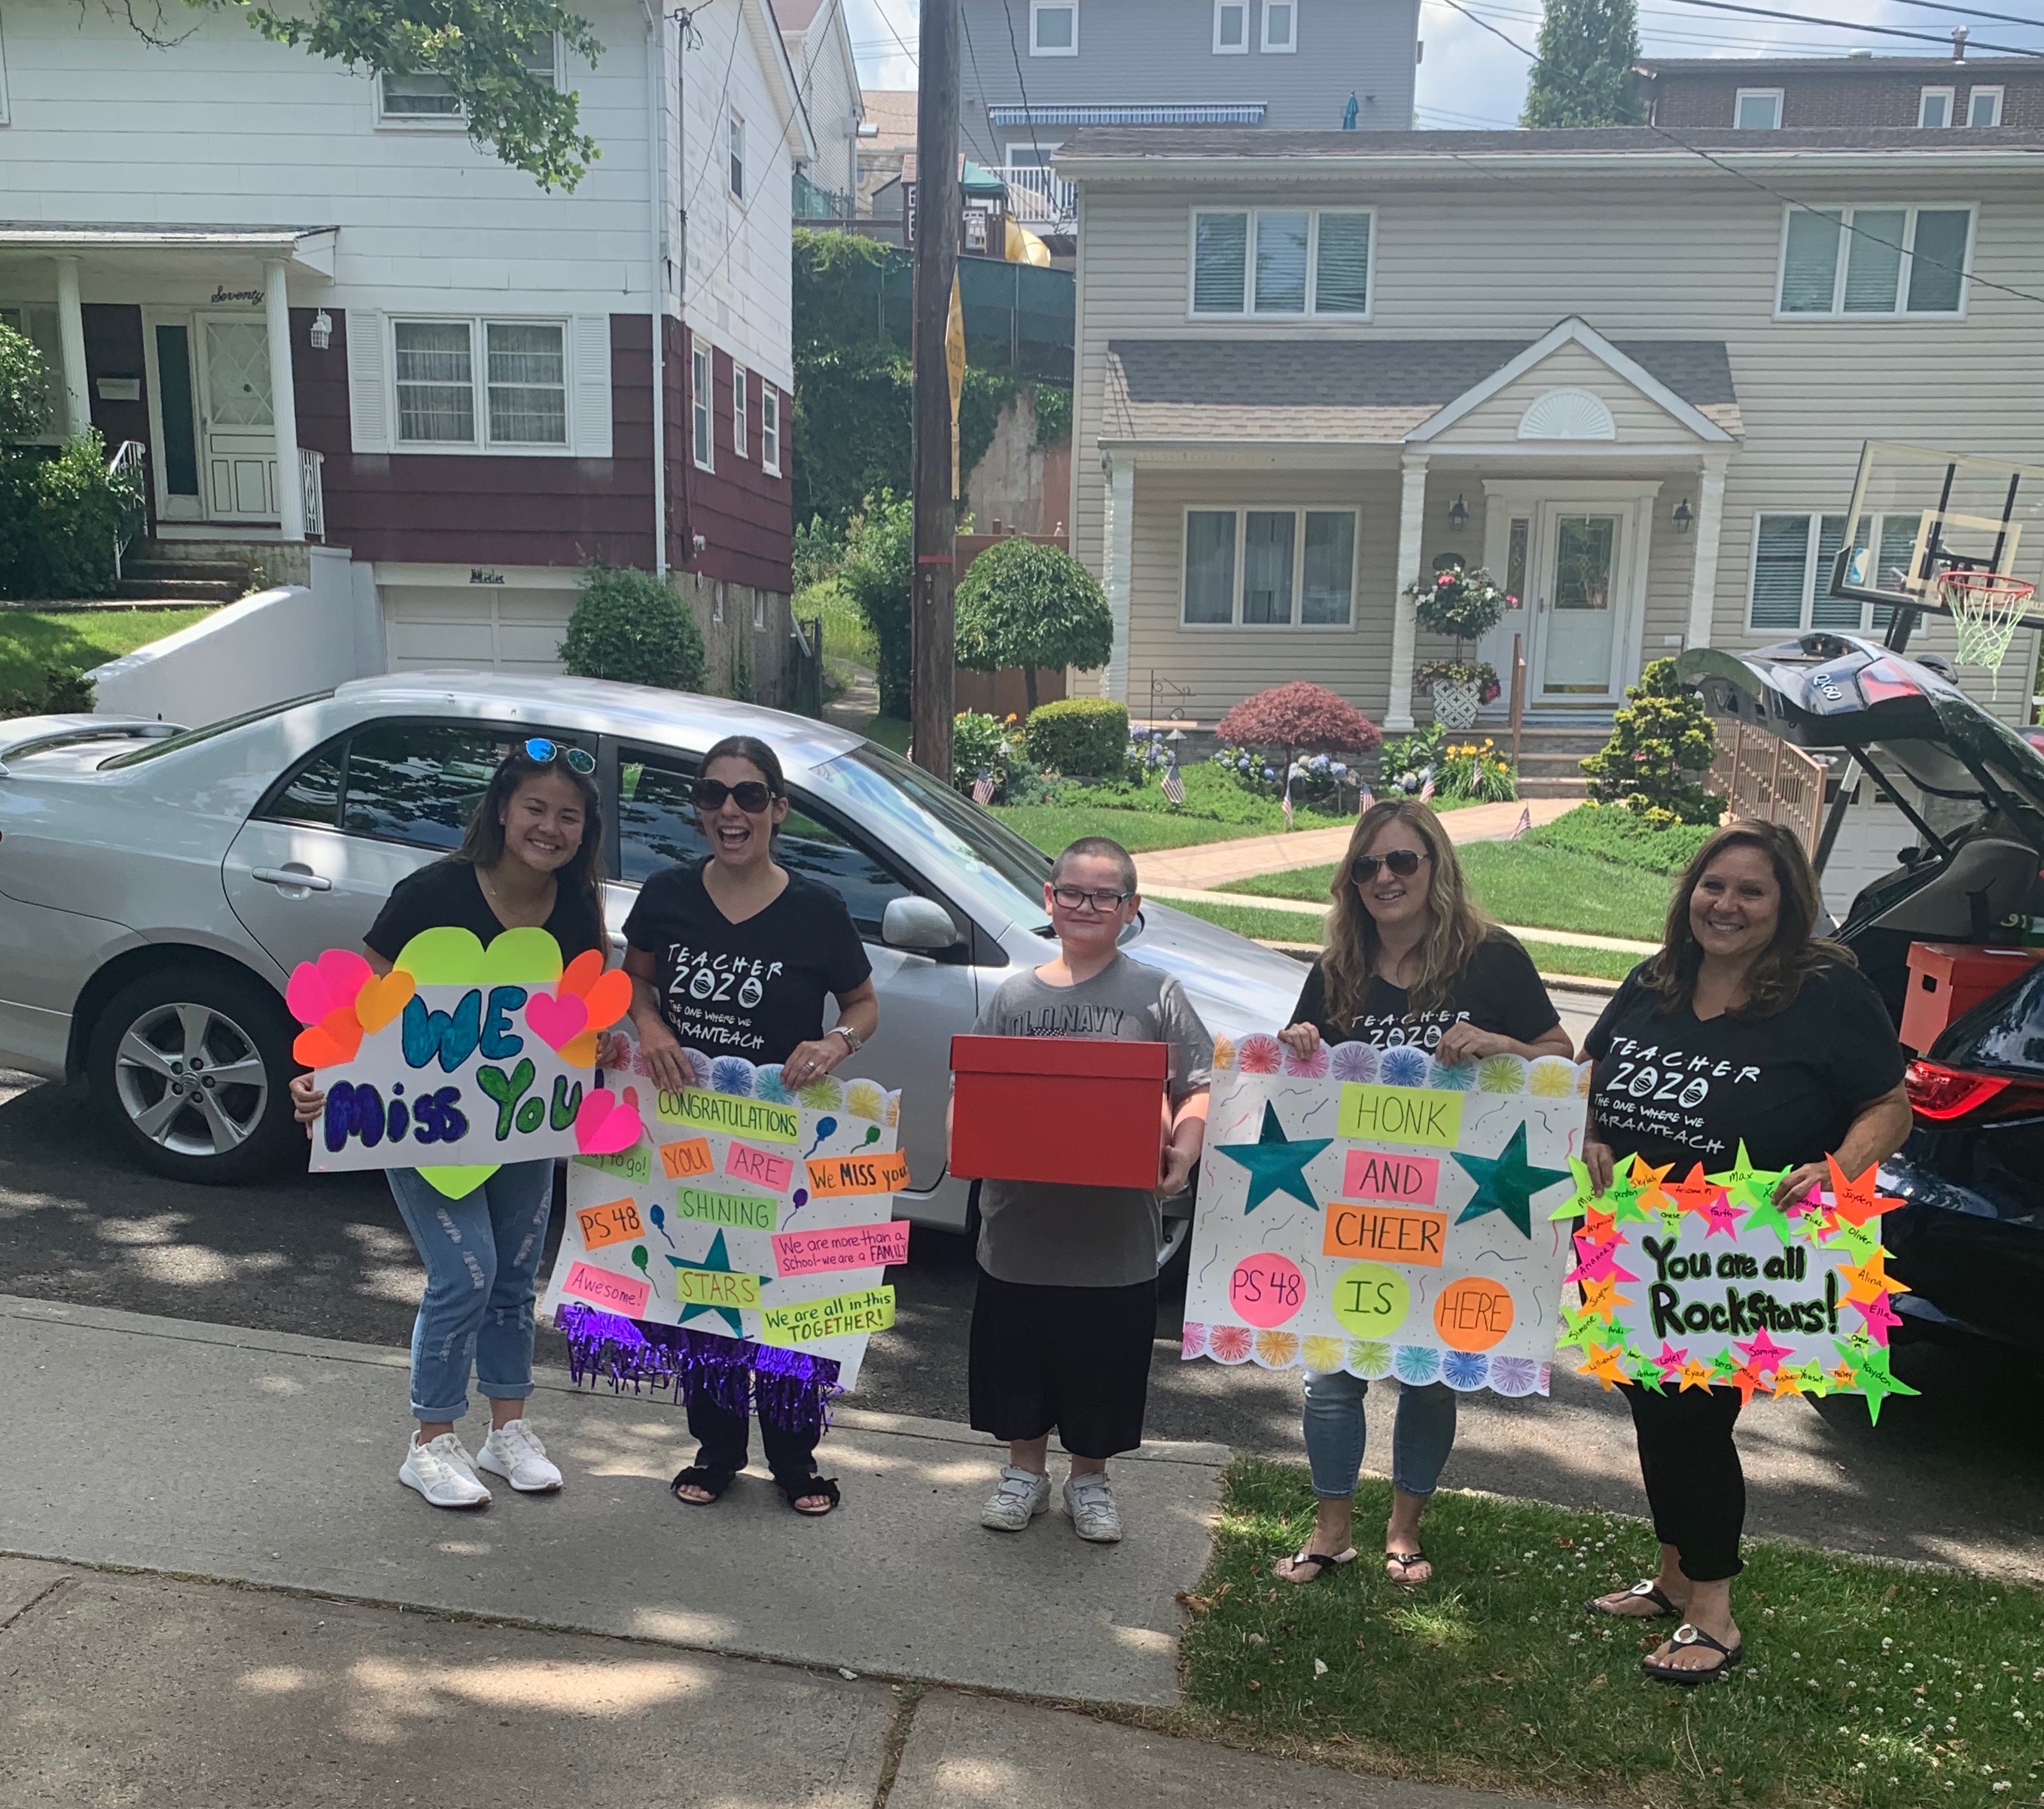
1550 759
159 573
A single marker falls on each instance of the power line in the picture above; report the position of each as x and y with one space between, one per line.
1488 26
965 19
1842 25
881 13
1029 113
1972 13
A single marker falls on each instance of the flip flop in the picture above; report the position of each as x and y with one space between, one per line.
1320 1561
1686 1635
1645 1590
1403 1575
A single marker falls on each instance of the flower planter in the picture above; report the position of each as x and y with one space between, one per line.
1456 701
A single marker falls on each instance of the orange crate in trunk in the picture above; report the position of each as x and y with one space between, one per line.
1947 980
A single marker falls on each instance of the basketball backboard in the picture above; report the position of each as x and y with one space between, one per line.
1918 512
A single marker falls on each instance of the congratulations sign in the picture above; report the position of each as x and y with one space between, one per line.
462 1057
1371 1210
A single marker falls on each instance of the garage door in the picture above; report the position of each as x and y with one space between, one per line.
511 628
1870 843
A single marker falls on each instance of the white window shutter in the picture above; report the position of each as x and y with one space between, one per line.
592 387
368 392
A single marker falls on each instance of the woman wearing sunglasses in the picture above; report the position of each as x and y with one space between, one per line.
1409 960
527 862
734 955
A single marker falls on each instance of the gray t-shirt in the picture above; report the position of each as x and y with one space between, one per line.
1048 1235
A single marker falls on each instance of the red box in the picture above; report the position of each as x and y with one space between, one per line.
1947 980
1074 1109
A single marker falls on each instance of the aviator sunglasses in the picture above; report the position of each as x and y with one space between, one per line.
540 751
752 795
1403 861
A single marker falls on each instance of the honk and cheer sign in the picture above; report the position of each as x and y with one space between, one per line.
1371 1210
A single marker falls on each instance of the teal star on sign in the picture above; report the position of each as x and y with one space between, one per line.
1276 1163
1506 1182
720 1260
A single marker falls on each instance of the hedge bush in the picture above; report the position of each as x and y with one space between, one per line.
634 628
1083 738
1660 742
58 519
1613 833
877 573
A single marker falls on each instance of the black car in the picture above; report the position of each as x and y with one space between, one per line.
1969 1240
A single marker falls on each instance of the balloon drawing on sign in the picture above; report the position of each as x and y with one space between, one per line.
660 1219
801 1198
825 1127
639 1263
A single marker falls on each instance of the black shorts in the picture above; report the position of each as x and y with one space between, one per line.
1075 1361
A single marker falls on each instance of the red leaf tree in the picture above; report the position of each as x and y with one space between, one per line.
1300 718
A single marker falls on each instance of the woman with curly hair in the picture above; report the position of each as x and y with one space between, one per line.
1410 960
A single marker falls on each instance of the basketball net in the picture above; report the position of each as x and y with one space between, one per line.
1987 608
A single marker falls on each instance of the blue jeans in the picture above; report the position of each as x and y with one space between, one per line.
481 1254
1421 1437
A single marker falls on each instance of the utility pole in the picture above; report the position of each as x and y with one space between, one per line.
931 665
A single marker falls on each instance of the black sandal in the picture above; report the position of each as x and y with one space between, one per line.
711 1482
1645 1590
1686 1635
1406 1560
1321 1561
797 1488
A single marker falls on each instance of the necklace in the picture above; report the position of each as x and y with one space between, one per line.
504 910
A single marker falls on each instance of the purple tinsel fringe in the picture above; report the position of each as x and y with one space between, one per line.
792 1389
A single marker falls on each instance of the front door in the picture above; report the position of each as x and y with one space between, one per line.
237 430
1577 605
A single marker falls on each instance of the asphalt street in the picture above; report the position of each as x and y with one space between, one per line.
1955 1476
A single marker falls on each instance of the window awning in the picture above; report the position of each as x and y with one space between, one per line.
310 248
1233 112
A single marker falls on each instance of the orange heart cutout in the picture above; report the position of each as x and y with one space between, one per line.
582 972
331 1041
580 1051
381 997
609 999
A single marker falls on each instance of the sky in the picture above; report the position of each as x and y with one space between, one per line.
1470 79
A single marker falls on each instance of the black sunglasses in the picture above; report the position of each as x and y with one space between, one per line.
540 751
752 795
1403 861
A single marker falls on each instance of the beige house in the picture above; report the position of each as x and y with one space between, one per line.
1630 375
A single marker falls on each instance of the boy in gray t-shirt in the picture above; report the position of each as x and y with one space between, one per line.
1067 1307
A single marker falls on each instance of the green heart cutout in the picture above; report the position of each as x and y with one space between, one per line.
449 956
458 1183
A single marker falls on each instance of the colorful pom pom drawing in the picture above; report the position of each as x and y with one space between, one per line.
1352 1061
1310 1067
1260 1054
1192 1340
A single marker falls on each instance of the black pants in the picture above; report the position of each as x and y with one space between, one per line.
1074 1360
723 1436
1694 1483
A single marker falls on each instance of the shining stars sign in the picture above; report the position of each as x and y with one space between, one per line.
1373 1210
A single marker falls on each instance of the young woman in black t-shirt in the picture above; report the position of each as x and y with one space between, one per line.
527 862
1409 959
1780 1043
734 955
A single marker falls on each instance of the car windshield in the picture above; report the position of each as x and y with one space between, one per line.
192 737
911 812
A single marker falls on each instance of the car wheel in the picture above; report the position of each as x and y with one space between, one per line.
1175 1257
193 1064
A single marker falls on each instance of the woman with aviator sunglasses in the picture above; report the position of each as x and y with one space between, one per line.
1409 960
734 955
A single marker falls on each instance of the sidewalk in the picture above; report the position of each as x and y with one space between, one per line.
1304 908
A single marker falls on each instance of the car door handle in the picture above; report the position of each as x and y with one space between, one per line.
286 877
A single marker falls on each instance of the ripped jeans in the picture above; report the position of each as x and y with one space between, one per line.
482 1254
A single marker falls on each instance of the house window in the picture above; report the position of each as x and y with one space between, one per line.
770 429
1875 260
1278 19
1270 567
523 398
423 98
1054 28
1231 28
39 327
738 410
1793 556
1757 110
1984 107
1933 109
1275 262
435 382
700 401
734 137
527 383
1519 538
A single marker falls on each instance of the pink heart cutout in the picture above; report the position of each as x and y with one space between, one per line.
556 1019
316 990
604 1127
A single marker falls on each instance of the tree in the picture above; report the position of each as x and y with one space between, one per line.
485 49
634 628
879 559
1024 604
1583 75
1299 718
25 388
1659 742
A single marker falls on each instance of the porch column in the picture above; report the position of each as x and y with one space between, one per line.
283 402
1404 624
1710 517
71 328
1119 543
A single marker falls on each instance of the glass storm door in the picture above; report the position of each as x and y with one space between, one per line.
237 430
1578 606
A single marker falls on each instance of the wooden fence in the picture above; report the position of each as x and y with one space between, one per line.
1763 777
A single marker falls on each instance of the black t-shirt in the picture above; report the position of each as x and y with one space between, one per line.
1499 991
448 893
1677 1090
755 989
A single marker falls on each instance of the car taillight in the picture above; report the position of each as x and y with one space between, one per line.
1942 1094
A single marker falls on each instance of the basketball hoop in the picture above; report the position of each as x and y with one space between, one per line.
1987 607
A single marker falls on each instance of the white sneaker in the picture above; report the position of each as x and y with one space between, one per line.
442 1472
1021 1497
513 1451
1090 1502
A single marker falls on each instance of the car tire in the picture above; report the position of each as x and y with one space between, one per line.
224 1037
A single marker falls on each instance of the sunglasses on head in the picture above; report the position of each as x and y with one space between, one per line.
540 751
1403 861
752 795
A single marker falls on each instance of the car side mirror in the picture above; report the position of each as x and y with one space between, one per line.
919 923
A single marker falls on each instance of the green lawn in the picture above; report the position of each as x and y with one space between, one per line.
1868 1685
30 640
1553 888
889 732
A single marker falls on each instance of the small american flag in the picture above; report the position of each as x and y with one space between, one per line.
1427 790
1364 798
1525 823
1284 803
982 787
1173 786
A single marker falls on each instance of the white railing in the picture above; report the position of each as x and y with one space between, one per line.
126 478
312 485
1037 198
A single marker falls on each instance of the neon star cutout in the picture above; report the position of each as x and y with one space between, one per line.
1767 1216
1649 1378
1578 1204
1506 1182
1653 1196
1599 1228
1720 1214
719 1262
1602 1299
1873 1378
1694 1375
1880 1316
1870 1279
1577 1326
1756 1184
1598 1263
1626 1206
1695 1191
1786 1384
1604 1364
1855 1200
1670 1360
1746 1379
1863 1241
1276 1163
1762 1352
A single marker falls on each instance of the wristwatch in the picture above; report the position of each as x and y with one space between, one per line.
852 1040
